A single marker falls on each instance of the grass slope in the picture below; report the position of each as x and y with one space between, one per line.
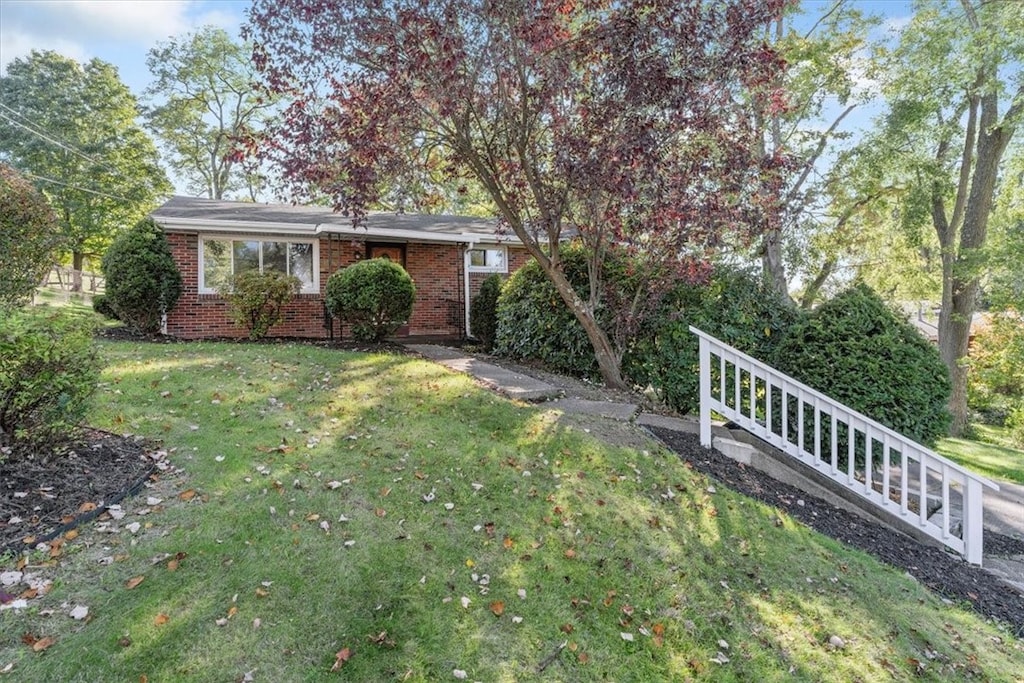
384 507
991 456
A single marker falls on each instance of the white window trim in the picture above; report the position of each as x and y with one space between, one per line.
488 269
314 288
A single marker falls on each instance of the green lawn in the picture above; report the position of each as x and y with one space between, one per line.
384 507
989 455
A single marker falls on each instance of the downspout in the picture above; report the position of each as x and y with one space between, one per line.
465 283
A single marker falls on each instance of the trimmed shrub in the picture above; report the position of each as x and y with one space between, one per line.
255 299
861 352
483 311
734 306
143 283
375 297
535 324
48 370
101 305
29 238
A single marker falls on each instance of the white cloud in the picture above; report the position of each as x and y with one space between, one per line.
86 28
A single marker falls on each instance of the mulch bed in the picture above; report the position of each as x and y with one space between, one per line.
947 575
44 495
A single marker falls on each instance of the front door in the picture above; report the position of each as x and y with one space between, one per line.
391 252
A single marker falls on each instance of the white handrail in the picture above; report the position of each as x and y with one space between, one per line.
761 386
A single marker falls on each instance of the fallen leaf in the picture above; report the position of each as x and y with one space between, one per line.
232 612
628 637
497 608
187 495
465 602
566 628
570 554
43 643
79 612
584 658
658 630
508 543
134 582
262 593
161 619
340 657
86 507
71 535
124 641
460 674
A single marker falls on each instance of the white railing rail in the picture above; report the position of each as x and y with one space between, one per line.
900 476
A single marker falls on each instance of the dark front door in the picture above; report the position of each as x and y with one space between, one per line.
391 252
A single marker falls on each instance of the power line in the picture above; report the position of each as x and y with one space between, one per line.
43 136
76 187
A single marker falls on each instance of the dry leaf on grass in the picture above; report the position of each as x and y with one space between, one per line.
340 657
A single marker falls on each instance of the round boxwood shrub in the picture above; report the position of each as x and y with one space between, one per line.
143 283
483 311
857 350
375 297
535 324
48 370
734 306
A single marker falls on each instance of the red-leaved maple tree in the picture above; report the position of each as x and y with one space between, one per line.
623 124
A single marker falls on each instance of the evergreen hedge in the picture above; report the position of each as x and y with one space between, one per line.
375 297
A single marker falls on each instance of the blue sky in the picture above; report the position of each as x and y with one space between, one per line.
123 31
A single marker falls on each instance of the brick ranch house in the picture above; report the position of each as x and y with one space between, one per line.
447 257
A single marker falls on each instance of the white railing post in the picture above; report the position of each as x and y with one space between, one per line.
972 522
705 393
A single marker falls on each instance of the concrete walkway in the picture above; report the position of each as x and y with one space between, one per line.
1004 509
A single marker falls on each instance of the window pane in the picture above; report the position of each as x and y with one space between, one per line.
275 256
247 256
216 263
477 257
301 257
496 259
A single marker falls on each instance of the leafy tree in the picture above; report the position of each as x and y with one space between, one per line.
204 82
256 299
71 129
143 282
955 95
619 122
29 238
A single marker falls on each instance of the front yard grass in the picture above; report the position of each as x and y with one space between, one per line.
384 517
990 454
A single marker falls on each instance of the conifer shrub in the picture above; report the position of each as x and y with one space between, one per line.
374 296
29 238
859 351
256 300
142 280
483 311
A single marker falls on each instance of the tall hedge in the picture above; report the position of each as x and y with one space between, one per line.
734 306
483 311
861 352
142 280
375 297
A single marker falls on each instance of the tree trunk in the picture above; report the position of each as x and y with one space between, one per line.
772 265
77 260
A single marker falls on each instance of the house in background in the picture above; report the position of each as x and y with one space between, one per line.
447 257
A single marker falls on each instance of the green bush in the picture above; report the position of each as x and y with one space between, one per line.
995 379
48 369
857 350
535 324
483 311
1015 425
375 297
29 238
143 282
101 305
255 299
734 305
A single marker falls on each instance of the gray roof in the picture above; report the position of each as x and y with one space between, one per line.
209 214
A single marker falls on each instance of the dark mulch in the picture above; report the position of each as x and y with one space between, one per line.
44 495
945 574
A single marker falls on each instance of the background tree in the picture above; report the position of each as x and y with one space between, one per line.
955 98
72 131
205 83
620 122
29 238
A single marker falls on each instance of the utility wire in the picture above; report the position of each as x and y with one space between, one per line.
76 187
43 136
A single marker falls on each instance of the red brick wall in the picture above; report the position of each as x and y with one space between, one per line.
436 269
